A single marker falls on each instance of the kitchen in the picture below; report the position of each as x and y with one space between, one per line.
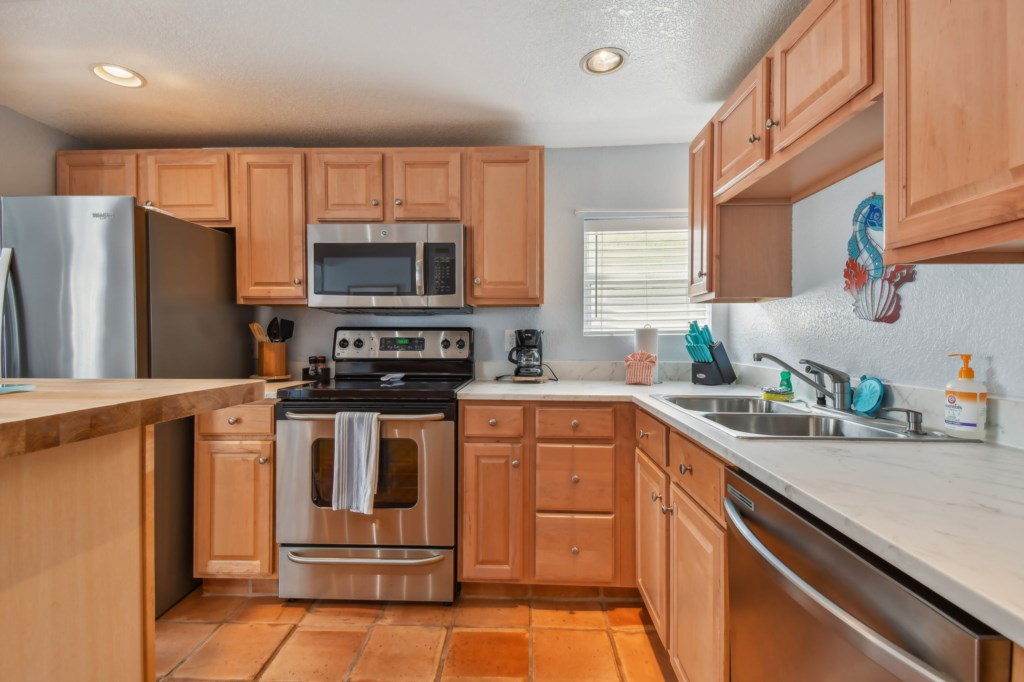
736 155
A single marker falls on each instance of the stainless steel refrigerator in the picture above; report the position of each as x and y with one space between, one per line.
101 288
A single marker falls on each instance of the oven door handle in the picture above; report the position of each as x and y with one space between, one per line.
353 561
861 635
307 417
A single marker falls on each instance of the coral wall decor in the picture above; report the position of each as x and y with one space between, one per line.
873 286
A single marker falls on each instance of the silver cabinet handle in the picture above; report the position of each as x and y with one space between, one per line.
329 416
644 434
233 420
374 202
492 421
476 280
515 464
263 460
753 138
903 665
296 281
575 424
398 202
701 274
575 478
667 510
419 269
685 469
769 124
575 550
655 496
351 561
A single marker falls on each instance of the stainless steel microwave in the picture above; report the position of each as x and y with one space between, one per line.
379 267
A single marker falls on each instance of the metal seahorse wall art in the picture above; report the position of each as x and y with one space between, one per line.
873 286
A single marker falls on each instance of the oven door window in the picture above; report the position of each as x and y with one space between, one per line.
364 269
397 473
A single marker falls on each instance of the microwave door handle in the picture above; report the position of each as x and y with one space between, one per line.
862 636
419 269
307 417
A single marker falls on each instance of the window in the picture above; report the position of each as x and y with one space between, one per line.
635 273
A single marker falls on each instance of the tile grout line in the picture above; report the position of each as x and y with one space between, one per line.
610 633
365 643
293 628
445 648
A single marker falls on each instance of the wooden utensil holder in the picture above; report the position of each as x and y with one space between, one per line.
272 358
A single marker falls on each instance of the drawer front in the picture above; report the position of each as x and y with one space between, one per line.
575 548
592 423
650 437
698 472
247 420
576 478
487 421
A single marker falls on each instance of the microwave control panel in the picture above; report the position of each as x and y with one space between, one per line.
441 270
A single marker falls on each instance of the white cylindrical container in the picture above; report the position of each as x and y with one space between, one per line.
646 340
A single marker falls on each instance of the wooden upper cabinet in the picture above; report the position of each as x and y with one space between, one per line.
651 493
346 186
739 144
427 185
819 64
97 173
493 511
270 226
701 212
954 147
506 227
192 184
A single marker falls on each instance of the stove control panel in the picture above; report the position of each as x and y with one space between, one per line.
413 344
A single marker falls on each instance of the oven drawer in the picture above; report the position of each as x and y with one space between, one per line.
576 548
368 574
594 423
575 477
491 421
248 420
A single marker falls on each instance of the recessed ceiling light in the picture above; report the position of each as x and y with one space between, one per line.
118 75
603 60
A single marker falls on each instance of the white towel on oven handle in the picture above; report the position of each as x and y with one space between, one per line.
356 451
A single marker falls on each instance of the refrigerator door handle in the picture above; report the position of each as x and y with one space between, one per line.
6 255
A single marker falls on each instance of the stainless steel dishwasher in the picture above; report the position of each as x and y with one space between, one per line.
808 605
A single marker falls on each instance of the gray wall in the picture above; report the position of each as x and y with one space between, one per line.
975 309
26 154
642 177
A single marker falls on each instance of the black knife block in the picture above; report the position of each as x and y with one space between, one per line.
714 373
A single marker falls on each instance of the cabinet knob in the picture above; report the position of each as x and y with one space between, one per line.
655 496
575 550
296 281
575 478
667 510
262 460
398 202
233 420
476 280
643 434
685 469
492 421
701 274
374 202
575 424
515 464
753 138
769 124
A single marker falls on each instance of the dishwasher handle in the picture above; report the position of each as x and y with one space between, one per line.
901 663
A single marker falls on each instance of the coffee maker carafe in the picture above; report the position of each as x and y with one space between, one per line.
527 355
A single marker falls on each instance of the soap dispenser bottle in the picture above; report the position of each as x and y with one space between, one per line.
965 405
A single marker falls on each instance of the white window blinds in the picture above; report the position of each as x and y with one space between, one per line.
635 273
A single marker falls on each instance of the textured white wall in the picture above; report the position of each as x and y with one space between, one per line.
26 154
975 309
641 177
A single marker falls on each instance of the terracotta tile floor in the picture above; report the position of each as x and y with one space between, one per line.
543 639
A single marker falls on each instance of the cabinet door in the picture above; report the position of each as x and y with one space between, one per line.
234 508
739 135
652 541
493 512
697 608
271 228
575 477
506 230
701 211
819 64
427 185
954 102
97 173
346 186
191 184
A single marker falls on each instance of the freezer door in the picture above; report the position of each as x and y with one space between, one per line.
71 308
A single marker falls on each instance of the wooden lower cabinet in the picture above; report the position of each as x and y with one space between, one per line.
652 541
697 595
493 514
574 549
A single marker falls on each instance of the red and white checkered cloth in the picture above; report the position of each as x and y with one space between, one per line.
640 368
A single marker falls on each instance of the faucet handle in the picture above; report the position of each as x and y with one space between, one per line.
914 419
833 373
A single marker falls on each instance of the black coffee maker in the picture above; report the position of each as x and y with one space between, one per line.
526 355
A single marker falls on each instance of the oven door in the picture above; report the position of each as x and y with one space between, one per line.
414 504
412 265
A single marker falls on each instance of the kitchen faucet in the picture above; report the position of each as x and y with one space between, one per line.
840 393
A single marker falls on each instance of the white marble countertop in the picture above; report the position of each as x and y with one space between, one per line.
951 515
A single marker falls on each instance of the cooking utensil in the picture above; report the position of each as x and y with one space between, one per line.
274 330
258 331
287 329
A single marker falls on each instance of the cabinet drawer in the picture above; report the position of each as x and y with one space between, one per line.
575 548
248 420
594 423
650 436
698 472
576 478
484 421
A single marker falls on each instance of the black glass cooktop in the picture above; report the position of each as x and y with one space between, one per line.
374 389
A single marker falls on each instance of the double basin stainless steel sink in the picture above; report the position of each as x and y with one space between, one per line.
751 417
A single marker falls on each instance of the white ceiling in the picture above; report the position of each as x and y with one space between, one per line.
387 72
